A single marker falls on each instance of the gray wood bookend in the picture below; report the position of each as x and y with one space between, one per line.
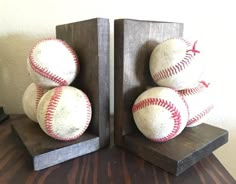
134 42
90 40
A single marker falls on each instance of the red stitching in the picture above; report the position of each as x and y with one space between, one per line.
200 115
185 102
205 84
189 44
50 113
88 119
39 94
195 90
194 49
175 114
181 65
88 112
43 71
73 53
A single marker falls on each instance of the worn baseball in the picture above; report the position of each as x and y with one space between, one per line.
175 63
160 113
199 101
64 113
30 100
51 63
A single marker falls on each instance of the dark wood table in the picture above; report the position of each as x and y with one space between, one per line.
109 165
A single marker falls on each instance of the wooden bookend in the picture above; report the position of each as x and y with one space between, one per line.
90 41
134 42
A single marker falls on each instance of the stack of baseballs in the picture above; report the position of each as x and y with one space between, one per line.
181 99
62 111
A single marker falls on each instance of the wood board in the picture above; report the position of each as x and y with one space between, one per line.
46 151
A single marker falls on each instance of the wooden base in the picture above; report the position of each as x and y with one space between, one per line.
180 153
46 151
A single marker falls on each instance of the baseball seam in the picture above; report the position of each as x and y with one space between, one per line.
175 114
185 103
178 67
44 72
39 94
181 38
88 114
72 53
200 115
50 114
195 90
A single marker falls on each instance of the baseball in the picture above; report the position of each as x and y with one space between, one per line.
30 100
199 103
64 113
51 63
160 113
175 63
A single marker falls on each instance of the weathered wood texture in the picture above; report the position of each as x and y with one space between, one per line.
110 165
46 151
90 40
134 42
177 155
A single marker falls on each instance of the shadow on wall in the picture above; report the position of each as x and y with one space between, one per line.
14 77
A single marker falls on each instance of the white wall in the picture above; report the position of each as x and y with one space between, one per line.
23 23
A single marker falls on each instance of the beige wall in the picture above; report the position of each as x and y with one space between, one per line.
23 23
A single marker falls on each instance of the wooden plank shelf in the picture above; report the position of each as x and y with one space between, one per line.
180 153
90 41
46 151
134 42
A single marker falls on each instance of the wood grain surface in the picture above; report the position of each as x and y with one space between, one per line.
46 151
111 165
177 155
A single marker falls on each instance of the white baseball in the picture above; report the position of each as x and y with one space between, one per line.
160 113
30 100
199 103
51 63
64 113
175 63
